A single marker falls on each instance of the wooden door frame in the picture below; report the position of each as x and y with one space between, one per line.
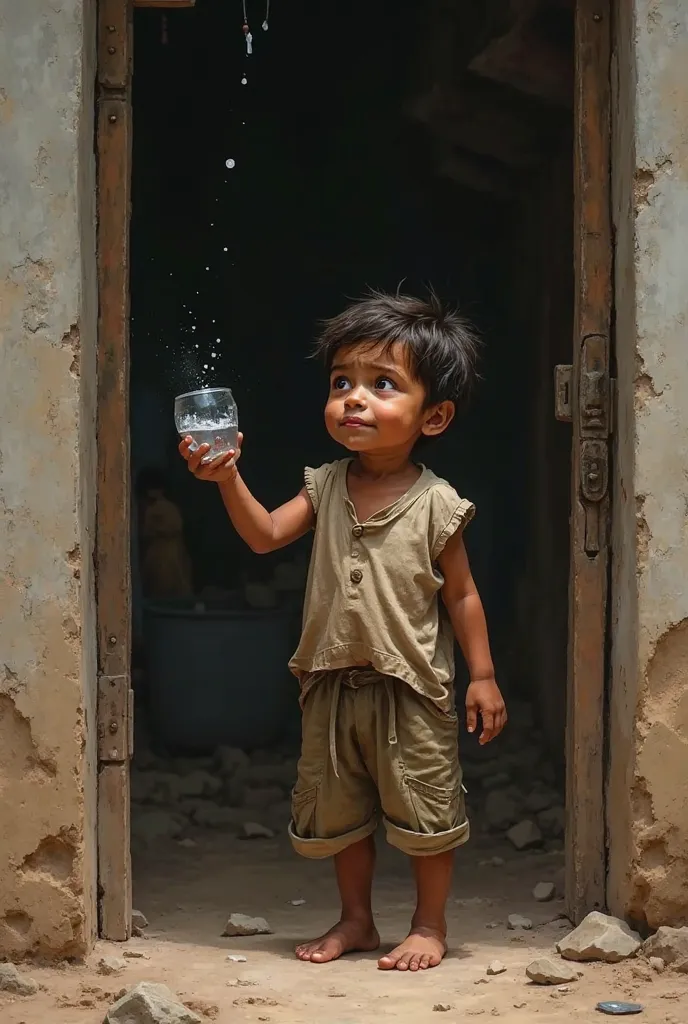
585 857
590 410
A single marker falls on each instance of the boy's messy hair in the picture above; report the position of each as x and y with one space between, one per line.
442 347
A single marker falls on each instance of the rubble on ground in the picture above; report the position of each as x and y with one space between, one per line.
550 972
109 965
600 937
241 924
16 984
670 945
512 790
148 1003
544 892
517 922
496 967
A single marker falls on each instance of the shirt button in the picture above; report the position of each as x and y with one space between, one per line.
357 531
356 575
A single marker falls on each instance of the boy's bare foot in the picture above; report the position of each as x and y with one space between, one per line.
345 937
424 947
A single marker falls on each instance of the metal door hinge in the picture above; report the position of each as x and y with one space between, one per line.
115 719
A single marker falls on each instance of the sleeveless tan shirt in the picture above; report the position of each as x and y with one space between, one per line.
372 595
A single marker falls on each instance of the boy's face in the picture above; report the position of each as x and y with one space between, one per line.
375 402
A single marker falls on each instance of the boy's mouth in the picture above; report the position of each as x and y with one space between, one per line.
354 421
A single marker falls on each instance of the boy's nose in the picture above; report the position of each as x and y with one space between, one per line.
355 397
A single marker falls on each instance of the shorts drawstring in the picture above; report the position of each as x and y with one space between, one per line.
348 677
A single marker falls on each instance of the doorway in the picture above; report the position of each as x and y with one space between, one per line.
427 146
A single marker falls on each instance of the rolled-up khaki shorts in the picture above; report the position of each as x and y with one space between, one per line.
375 749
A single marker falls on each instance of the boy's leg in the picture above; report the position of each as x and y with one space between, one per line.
334 814
426 944
355 929
413 755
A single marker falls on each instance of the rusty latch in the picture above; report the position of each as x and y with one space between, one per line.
562 393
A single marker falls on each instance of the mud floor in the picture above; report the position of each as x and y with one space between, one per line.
187 892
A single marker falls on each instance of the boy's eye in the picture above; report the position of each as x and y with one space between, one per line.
340 384
385 384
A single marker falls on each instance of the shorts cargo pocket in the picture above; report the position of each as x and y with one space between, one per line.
435 808
303 812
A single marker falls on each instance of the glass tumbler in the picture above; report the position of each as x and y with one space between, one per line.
210 417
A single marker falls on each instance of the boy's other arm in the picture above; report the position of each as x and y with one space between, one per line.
462 601
263 531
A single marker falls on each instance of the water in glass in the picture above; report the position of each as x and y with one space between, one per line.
210 417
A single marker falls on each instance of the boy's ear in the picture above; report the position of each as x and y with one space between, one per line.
438 418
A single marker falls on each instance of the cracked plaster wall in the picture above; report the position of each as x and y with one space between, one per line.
47 476
648 755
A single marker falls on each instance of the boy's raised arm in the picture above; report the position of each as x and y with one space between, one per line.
263 531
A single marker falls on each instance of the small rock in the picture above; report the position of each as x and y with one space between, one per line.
525 835
544 892
668 944
261 797
481 981
656 963
209 815
254 830
111 965
135 954
235 958
498 781
240 924
147 1003
229 759
496 967
552 821
151 826
520 1006
563 990
502 809
297 903
550 972
493 862
442 1007
138 919
540 800
642 972
492 924
599 937
517 921
13 982
199 784
202 1006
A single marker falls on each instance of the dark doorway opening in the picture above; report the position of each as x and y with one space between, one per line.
400 145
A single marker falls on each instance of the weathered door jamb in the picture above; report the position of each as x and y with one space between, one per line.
584 396
113 589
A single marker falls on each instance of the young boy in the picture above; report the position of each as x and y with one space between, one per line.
376 661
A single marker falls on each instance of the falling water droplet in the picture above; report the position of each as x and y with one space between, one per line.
230 163
265 26
226 250
193 328
244 80
205 366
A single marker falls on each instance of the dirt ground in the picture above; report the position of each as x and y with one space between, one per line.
187 894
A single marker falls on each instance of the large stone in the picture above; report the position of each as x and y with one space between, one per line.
260 797
151 826
240 924
550 972
552 821
599 937
525 835
150 1004
502 809
199 783
13 982
210 815
668 944
229 760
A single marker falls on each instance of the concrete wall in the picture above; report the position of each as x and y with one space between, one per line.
648 795
47 474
